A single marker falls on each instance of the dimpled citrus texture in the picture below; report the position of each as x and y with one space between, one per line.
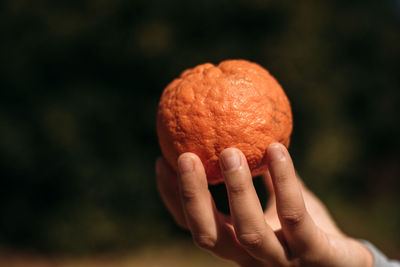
210 108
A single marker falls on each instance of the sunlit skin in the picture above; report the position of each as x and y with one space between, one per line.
294 230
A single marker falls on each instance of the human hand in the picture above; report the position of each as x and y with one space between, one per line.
295 230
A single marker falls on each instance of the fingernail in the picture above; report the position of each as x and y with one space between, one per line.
275 152
185 164
230 159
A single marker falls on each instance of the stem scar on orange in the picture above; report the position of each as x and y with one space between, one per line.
210 108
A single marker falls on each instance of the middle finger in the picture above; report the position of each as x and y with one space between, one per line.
251 229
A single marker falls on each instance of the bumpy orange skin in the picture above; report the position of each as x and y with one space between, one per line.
210 108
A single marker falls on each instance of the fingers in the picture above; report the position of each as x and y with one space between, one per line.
167 184
248 218
298 228
190 199
210 229
197 203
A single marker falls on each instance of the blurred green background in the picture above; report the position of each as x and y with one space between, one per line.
80 82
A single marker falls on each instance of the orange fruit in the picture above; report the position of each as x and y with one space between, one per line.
210 108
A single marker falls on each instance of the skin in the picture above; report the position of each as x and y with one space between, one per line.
294 230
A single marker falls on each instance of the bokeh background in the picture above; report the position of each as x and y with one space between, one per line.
80 82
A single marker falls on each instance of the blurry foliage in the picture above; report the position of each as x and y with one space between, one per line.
80 84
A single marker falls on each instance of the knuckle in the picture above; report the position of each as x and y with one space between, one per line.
281 177
251 241
238 188
205 241
188 194
293 218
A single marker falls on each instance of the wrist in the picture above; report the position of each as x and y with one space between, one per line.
368 258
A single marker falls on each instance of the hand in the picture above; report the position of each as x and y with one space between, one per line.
295 229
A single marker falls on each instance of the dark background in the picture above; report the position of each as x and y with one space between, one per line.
80 84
